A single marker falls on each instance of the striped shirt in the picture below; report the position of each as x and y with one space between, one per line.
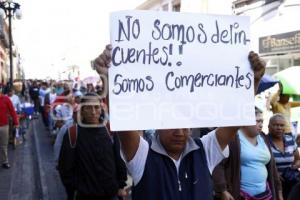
284 159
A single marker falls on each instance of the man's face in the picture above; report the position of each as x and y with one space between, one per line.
91 111
174 140
77 99
259 122
276 127
66 91
284 98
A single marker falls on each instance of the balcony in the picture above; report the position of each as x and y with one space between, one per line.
4 33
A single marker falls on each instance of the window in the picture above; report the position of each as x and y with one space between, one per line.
241 3
165 7
271 1
297 61
176 7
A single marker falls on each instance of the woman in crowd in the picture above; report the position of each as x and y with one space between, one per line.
285 153
249 172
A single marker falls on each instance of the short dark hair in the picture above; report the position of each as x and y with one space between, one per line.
257 111
10 89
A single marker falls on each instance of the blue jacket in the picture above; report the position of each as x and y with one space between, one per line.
160 180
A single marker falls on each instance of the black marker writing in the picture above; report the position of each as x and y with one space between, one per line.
136 85
133 28
193 81
231 36
143 56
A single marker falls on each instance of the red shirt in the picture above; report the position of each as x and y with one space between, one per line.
6 110
60 100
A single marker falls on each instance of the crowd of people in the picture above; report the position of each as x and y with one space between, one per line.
173 164
25 100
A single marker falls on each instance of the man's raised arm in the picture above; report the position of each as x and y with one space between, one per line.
129 139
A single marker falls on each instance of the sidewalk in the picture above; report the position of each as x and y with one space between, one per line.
20 182
32 175
5 177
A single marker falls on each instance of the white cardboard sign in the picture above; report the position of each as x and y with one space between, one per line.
179 70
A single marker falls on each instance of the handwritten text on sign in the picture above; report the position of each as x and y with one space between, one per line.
175 70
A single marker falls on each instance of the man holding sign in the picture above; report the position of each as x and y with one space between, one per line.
174 166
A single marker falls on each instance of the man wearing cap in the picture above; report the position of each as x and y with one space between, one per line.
89 160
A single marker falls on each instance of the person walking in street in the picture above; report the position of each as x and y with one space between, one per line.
14 99
68 122
34 95
59 88
89 165
14 132
49 99
7 110
44 90
175 166
285 152
250 171
280 104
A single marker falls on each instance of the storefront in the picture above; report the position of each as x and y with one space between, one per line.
280 50
276 34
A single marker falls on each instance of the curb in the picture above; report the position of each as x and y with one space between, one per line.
41 173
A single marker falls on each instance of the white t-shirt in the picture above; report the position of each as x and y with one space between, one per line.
16 102
213 152
52 97
42 94
64 111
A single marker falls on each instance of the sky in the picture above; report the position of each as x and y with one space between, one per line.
54 34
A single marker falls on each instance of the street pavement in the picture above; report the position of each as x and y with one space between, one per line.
32 175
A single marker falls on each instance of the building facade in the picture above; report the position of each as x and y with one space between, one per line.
199 6
161 5
18 72
275 30
3 52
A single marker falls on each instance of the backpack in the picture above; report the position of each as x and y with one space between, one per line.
72 132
